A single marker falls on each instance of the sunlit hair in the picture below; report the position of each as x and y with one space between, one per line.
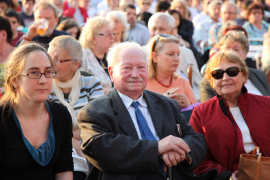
91 29
123 18
68 24
169 18
69 44
43 4
212 4
14 66
152 66
229 3
254 6
234 36
183 4
141 1
113 54
228 56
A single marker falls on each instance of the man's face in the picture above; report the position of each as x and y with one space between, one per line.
145 5
228 13
159 26
130 74
28 5
3 6
14 24
131 16
48 14
214 13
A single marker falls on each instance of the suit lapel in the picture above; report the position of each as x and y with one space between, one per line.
256 81
122 115
156 112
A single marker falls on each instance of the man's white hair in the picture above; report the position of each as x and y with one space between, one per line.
113 54
123 18
227 3
159 15
212 4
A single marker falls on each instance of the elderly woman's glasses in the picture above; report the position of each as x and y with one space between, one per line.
232 72
38 74
107 34
61 61
161 35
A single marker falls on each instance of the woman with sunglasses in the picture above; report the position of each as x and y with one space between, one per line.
162 66
234 121
257 80
74 89
35 134
96 38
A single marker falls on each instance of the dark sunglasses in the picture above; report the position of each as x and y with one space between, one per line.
160 35
232 72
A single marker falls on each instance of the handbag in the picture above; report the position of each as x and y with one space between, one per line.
254 166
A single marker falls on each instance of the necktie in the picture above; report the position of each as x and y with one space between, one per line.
146 132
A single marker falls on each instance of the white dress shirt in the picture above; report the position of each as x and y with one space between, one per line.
143 107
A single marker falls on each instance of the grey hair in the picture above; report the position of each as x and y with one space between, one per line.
113 54
169 19
123 18
213 3
70 44
43 4
229 3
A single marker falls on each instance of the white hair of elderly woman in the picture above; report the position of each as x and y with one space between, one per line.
113 53
123 18
158 15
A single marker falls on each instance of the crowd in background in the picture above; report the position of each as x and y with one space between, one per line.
76 35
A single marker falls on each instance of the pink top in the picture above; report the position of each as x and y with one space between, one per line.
185 88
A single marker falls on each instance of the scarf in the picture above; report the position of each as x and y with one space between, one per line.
73 97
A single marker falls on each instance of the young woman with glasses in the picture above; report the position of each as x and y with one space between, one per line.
234 121
35 134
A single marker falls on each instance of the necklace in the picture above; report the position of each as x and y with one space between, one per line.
238 115
164 84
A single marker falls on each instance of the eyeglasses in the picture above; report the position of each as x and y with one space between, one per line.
232 72
61 61
145 3
256 12
160 35
107 34
38 74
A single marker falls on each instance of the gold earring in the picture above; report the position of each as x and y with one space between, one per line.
94 42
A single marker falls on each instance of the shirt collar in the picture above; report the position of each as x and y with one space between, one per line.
128 101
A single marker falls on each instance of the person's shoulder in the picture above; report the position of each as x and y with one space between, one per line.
86 74
59 33
256 71
210 104
246 24
140 26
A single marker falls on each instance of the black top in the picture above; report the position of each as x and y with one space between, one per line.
186 31
26 20
16 161
46 40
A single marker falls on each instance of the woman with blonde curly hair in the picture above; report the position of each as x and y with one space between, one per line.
96 38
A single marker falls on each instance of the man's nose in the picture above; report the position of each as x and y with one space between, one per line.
135 72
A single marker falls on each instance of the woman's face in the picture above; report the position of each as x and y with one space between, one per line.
118 28
229 86
65 70
178 7
236 47
73 31
177 19
167 60
105 38
35 90
255 16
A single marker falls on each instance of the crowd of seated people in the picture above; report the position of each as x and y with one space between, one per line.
61 59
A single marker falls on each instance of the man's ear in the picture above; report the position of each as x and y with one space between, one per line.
110 69
3 34
171 32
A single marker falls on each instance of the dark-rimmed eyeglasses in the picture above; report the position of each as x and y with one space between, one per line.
231 71
107 34
256 12
38 74
160 35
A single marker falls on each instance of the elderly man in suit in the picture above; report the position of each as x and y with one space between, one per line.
127 132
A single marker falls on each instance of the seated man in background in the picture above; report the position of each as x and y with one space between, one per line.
15 22
137 33
163 23
126 131
43 10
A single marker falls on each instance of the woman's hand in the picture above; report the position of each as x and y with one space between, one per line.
181 99
234 176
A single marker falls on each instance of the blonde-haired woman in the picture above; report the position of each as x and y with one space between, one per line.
119 24
35 134
96 39
234 121
187 28
163 63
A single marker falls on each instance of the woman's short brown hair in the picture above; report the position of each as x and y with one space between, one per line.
229 56
255 6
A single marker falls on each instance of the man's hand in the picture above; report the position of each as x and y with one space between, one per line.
172 158
32 30
172 143
234 176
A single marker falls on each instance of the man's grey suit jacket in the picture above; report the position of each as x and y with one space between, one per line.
113 148
257 77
